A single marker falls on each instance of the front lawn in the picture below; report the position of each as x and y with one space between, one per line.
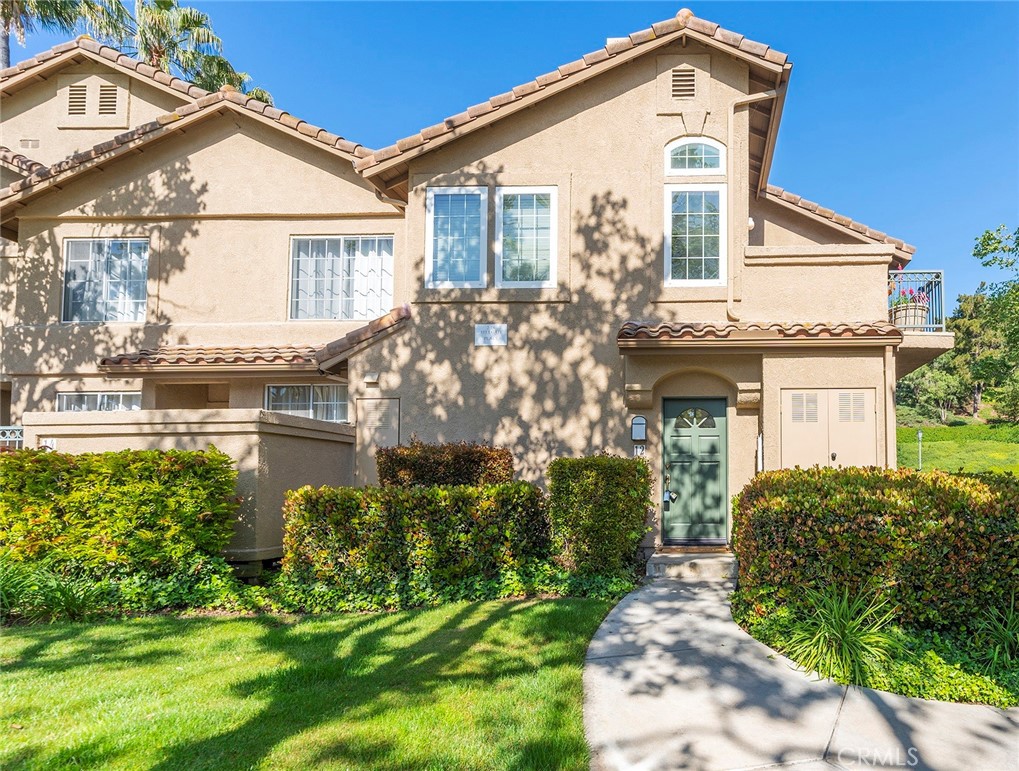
469 685
974 447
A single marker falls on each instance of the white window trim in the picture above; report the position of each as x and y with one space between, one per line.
67 261
723 234
267 408
121 394
290 274
691 140
430 233
553 192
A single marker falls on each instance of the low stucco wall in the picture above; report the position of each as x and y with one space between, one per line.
273 453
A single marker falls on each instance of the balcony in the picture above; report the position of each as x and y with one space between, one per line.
916 300
916 305
11 437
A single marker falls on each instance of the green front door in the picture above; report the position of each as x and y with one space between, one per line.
696 469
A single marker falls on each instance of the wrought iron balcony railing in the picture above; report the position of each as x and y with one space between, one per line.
916 300
12 437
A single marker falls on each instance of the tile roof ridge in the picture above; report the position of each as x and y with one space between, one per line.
858 228
683 20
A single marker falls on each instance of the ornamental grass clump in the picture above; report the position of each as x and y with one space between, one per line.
997 634
842 636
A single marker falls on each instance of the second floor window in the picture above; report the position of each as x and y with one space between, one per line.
525 240
456 237
105 279
695 235
341 277
99 401
321 402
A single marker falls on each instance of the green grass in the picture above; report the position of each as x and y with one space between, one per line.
464 686
977 447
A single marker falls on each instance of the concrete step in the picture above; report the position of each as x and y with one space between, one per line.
693 566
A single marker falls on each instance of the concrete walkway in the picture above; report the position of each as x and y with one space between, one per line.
671 681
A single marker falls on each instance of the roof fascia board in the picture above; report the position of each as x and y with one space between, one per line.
782 86
796 343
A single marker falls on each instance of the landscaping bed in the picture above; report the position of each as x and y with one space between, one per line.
467 685
896 580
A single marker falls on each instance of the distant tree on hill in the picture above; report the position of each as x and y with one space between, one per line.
979 357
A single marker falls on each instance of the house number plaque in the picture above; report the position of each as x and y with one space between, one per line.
490 334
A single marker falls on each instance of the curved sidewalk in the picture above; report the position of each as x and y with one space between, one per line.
671 681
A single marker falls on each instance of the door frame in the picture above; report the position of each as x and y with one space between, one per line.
727 502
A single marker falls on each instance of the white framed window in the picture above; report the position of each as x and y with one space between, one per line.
525 236
105 279
99 401
341 277
321 402
694 156
456 237
695 235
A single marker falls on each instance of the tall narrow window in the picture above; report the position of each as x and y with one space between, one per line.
525 224
341 277
456 238
105 279
321 402
695 246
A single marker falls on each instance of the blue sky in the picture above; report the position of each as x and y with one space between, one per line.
904 116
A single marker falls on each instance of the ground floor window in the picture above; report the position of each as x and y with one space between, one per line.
99 401
321 402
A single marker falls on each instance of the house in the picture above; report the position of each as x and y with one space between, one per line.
593 261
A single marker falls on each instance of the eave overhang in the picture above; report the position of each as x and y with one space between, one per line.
644 337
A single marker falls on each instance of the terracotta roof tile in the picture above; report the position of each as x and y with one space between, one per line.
302 356
25 164
209 101
338 350
683 20
635 333
839 219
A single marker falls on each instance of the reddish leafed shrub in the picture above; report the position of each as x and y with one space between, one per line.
423 465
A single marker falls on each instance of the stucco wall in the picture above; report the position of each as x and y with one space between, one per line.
273 453
35 112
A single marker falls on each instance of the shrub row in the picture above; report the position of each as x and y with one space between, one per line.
423 465
153 522
398 547
945 547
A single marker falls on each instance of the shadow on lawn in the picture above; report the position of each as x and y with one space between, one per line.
372 669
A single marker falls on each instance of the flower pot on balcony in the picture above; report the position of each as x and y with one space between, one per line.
910 315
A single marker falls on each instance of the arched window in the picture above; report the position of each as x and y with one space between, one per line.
691 156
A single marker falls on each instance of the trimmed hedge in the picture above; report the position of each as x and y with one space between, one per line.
598 510
945 547
424 465
390 547
137 513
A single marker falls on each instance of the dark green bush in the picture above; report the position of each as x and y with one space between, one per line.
386 547
944 547
425 465
598 511
126 520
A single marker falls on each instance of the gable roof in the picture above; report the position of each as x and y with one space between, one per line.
802 205
332 357
769 69
15 195
18 163
82 48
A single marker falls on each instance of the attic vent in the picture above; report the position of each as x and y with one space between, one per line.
29 144
683 83
107 99
76 99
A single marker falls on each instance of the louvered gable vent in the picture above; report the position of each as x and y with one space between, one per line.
77 99
683 83
107 99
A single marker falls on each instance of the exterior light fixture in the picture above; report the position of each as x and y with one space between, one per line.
638 429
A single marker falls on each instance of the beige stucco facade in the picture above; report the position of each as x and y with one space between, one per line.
220 203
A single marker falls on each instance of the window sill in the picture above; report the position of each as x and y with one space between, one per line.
692 294
493 295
